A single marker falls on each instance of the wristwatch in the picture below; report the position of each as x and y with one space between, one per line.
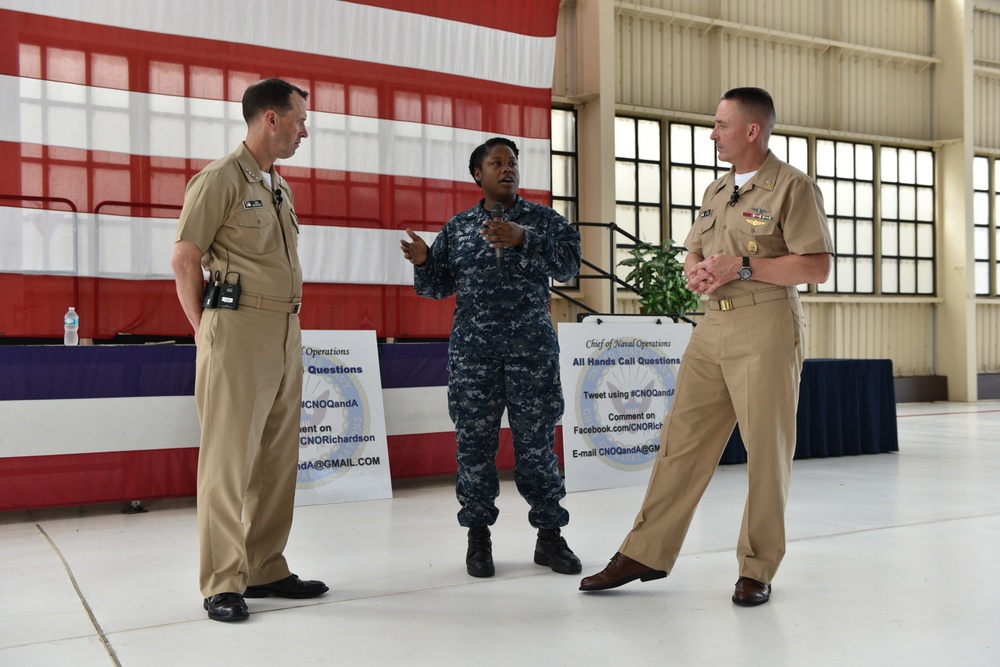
745 271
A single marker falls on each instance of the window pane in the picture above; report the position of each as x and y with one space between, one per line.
649 183
890 276
864 202
798 153
563 176
864 162
925 241
890 202
907 203
890 238
680 143
682 186
702 179
827 187
681 221
981 208
890 165
907 276
624 138
982 278
925 204
625 181
925 277
779 146
649 224
825 160
845 274
864 269
980 173
704 147
563 131
925 168
649 140
845 237
845 198
907 239
865 237
907 166
845 160
625 218
981 243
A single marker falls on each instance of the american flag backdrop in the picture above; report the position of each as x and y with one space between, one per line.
109 107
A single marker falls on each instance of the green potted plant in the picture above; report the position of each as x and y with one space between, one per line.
659 278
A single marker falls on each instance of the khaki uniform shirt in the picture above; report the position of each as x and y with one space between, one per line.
231 214
780 212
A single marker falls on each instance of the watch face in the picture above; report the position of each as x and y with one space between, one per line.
745 273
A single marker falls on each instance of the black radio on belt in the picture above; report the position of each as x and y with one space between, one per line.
229 293
211 297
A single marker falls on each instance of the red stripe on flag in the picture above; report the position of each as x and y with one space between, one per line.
156 63
35 305
527 17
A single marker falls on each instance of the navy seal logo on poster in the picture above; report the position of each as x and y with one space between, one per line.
622 378
343 448
338 401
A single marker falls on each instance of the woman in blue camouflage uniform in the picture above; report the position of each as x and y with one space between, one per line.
503 351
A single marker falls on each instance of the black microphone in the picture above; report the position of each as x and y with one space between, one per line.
277 198
498 215
735 197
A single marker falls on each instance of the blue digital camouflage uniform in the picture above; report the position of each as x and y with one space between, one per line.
504 354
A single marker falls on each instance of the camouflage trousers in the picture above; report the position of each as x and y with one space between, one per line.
479 388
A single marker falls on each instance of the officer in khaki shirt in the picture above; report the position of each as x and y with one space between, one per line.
761 231
239 224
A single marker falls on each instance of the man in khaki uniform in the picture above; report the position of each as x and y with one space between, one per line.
239 223
761 231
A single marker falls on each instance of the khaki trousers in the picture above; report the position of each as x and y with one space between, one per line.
249 390
742 365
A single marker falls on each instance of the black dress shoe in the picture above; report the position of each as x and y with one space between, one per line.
226 607
619 571
551 550
289 587
479 557
750 592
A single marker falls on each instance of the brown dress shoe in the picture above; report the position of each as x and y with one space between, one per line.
750 592
619 571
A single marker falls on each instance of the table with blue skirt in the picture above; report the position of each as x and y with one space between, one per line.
846 407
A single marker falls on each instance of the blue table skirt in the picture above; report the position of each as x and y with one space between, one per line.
846 406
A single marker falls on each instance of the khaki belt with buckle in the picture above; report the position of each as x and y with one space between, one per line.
752 298
263 303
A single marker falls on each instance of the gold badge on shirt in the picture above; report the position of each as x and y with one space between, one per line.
752 247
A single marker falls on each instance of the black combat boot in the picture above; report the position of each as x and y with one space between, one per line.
551 550
479 558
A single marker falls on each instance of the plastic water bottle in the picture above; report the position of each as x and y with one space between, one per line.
71 327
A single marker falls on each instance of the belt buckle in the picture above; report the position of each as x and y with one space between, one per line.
296 307
725 304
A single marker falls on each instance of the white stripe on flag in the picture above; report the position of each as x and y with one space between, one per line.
135 248
102 119
334 29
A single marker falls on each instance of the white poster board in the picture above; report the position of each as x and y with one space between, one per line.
343 450
619 379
